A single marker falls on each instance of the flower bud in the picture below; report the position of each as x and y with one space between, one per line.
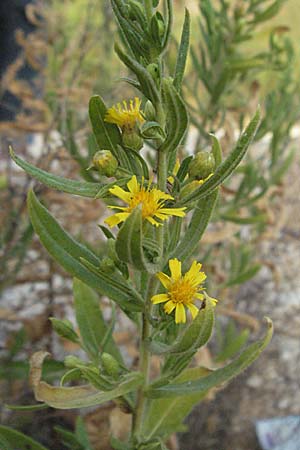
202 165
72 362
107 265
132 139
64 328
105 162
110 364
190 187
149 111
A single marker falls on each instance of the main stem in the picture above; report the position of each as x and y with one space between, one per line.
146 326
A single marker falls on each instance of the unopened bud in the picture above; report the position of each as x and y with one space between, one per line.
202 165
64 328
132 139
105 162
73 362
110 364
149 111
107 265
190 187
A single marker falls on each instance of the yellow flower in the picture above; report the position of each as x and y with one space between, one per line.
151 200
125 117
183 290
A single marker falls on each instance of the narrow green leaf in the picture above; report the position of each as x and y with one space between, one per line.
232 347
169 4
182 52
228 166
69 439
75 187
244 276
107 134
197 227
196 335
219 376
68 252
91 324
250 220
177 121
165 414
130 244
78 396
82 434
183 169
18 440
216 149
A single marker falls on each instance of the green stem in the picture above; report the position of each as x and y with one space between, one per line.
148 9
145 357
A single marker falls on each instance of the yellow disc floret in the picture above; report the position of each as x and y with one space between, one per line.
182 290
150 199
126 117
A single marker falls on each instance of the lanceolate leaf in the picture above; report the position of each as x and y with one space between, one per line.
17 440
219 376
177 121
68 252
197 226
227 167
165 414
82 188
92 326
107 134
131 245
196 334
182 52
79 396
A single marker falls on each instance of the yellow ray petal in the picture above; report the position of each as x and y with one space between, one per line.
116 219
175 268
194 310
179 212
164 279
133 185
159 298
120 193
180 316
169 307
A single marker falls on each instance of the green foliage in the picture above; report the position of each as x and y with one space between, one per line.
9 438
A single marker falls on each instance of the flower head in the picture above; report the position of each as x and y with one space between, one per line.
182 290
151 201
126 117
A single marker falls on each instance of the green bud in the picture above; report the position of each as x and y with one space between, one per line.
110 364
105 162
149 112
64 328
202 165
72 362
107 265
132 139
190 187
136 10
